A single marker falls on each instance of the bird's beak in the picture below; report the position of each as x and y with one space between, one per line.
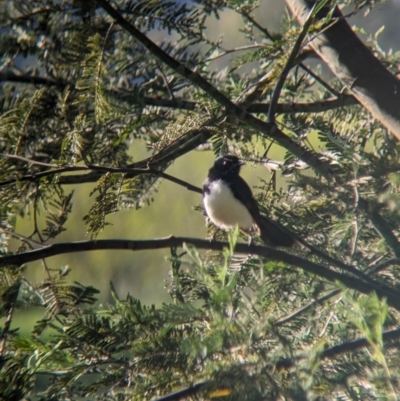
241 163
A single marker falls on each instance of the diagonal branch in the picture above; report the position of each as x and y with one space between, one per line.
131 172
340 349
312 304
355 65
287 68
182 394
270 130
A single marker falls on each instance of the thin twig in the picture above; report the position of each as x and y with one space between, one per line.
93 167
319 80
35 215
9 299
25 159
236 49
30 79
37 176
305 308
384 265
287 68
340 349
261 28
29 241
333 293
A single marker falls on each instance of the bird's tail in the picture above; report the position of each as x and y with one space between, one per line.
274 234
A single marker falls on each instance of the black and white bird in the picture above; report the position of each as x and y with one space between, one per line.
228 202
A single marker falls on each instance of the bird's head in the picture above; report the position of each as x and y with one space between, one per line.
226 166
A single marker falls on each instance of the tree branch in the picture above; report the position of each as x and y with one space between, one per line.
290 61
116 170
236 49
137 245
281 108
319 80
340 349
320 300
29 79
178 103
182 394
354 64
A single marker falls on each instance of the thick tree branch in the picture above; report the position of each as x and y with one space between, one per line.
354 64
264 251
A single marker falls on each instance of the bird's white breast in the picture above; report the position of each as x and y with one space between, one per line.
224 210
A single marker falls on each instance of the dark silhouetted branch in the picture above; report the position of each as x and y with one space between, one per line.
289 63
177 103
123 170
150 244
340 349
29 79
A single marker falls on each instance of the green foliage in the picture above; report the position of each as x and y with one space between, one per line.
82 101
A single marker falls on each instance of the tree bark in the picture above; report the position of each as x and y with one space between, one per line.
353 63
